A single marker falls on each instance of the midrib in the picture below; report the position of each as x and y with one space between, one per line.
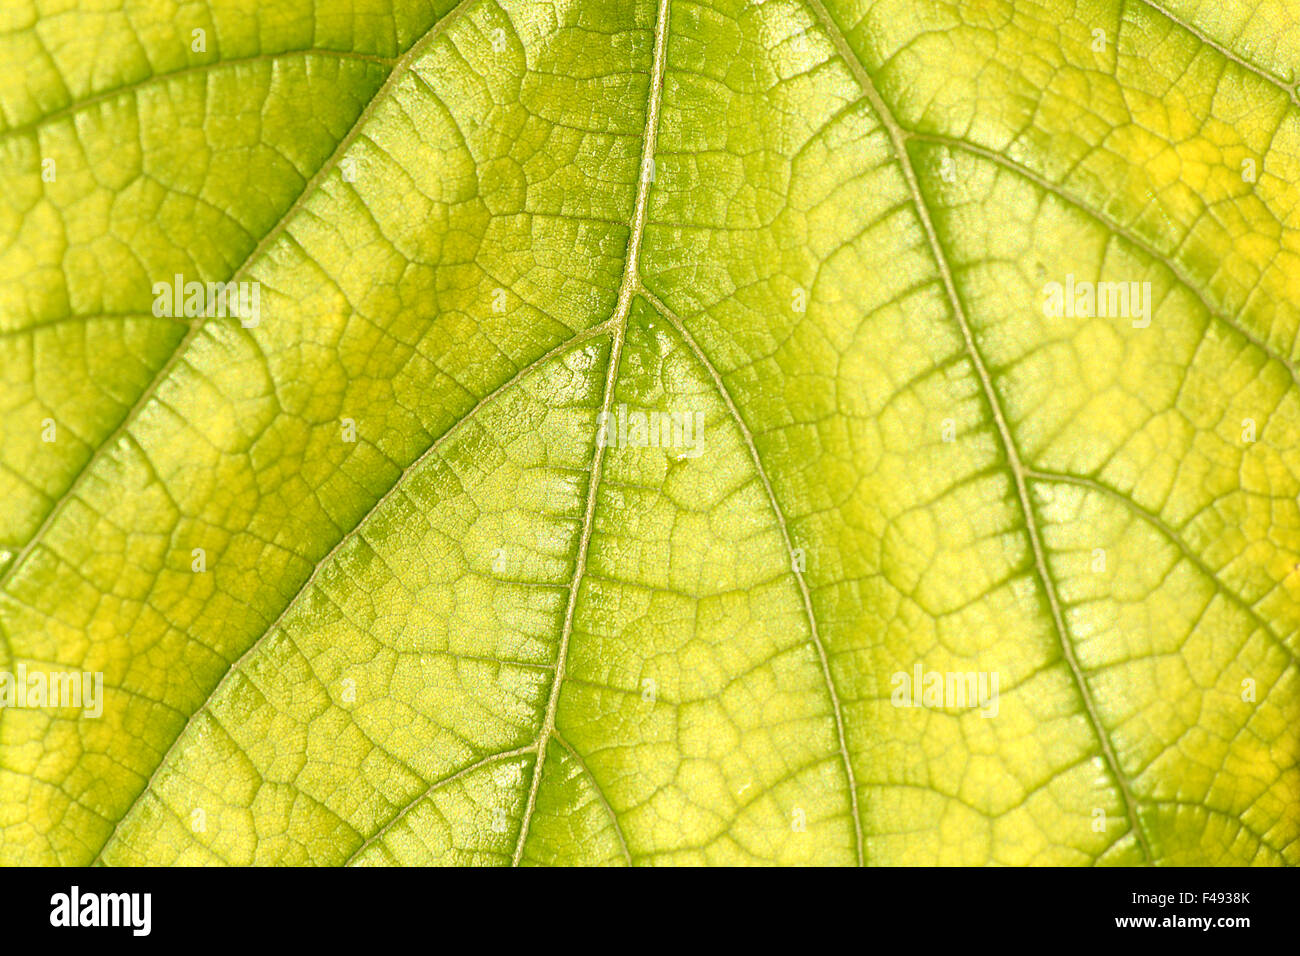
618 329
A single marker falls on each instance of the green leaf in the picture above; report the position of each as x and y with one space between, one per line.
389 575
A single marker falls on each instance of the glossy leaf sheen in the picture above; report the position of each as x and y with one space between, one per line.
475 634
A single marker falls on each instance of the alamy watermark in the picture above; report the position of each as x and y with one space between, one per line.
622 428
1122 300
951 690
74 908
238 300
74 690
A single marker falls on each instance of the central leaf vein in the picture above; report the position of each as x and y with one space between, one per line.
618 325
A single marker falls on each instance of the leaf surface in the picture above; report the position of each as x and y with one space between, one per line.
483 231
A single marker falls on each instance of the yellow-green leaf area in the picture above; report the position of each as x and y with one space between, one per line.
645 396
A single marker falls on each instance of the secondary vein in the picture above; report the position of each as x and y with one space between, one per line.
429 451
398 71
897 137
818 645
